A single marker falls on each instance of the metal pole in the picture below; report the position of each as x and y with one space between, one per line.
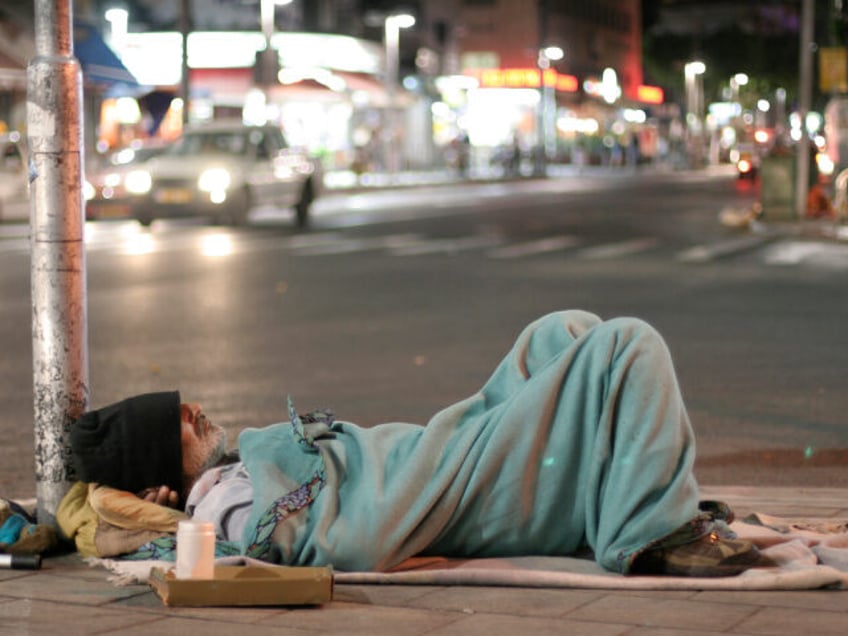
392 37
543 63
59 336
268 59
185 82
540 164
805 88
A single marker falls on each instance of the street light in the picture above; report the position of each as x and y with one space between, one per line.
546 142
393 25
118 20
694 109
552 53
738 80
268 56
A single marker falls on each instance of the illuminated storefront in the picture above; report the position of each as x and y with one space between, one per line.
328 97
499 110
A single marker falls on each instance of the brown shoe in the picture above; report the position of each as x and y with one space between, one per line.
710 555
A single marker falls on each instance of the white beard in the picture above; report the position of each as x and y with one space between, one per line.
204 455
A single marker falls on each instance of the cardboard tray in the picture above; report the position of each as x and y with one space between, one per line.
246 585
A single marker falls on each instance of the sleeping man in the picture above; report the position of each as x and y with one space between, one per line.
578 442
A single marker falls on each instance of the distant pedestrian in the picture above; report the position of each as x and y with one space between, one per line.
461 147
633 151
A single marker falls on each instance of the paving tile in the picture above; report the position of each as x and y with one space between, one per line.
388 595
27 616
51 587
826 600
352 619
795 511
150 603
11 575
202 627
507 600
648 611
77 570
504 625
678 595
795 502
654 631
778 621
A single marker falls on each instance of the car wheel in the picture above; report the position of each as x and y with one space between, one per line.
239 207
302 206
145 219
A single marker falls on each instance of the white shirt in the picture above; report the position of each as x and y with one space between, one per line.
222 495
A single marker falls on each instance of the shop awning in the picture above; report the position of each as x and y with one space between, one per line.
373 89
100 66
229 86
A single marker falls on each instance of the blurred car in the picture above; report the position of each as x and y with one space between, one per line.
14 187
105 192
222 170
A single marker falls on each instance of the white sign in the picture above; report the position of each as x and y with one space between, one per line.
155 59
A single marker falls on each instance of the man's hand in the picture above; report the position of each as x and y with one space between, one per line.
162 495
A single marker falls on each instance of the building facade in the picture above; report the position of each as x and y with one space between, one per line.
475 79
585 103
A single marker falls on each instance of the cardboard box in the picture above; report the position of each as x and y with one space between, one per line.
247 585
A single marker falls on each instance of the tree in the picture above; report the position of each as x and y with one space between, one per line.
757 38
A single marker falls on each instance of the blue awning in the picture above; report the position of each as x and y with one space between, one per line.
100 66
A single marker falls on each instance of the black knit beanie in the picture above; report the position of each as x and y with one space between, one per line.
131 445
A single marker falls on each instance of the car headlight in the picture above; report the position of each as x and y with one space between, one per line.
214 180
138 182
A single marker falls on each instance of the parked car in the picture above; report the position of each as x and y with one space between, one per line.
105 190
14 188
222 170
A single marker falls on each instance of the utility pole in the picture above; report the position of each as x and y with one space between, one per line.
185 81
59 329
805 89
540 163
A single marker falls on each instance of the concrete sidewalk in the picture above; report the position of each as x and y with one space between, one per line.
68 597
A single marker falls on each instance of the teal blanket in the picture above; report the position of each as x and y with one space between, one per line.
579 440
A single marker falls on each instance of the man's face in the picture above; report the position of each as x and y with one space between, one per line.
203 443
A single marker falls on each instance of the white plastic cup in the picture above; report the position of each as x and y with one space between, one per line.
195 550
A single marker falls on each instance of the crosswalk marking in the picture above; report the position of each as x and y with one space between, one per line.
529 248
447 246
133 240
703 253
798 252
789 253
617 250
351 245
315 240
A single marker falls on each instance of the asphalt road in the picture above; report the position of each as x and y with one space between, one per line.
397 303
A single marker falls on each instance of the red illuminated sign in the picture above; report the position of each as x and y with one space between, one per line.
650 94
566 83
524 78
